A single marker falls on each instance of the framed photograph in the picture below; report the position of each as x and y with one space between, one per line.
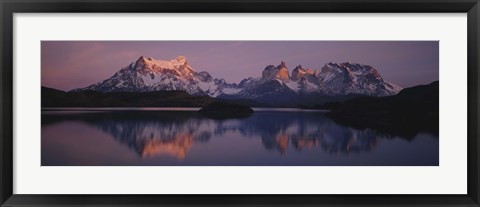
239 103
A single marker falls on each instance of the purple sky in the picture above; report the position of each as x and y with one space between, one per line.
68 65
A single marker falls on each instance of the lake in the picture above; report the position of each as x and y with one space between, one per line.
183 137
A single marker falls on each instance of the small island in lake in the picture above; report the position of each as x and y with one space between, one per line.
223 110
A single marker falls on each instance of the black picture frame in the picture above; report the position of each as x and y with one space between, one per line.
10 7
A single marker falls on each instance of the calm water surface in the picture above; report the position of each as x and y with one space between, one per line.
181 136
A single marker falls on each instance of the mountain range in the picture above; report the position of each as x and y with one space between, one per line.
334 81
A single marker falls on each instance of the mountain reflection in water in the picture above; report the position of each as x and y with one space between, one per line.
286 138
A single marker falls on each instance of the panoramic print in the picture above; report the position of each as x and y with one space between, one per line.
240 103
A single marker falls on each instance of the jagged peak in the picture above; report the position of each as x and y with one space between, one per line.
269 67
143 58
140 59
282 65
204 76
280 72
349 65
181 59
299 67
178 65
298 73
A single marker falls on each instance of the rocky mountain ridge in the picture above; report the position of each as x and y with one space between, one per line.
276 82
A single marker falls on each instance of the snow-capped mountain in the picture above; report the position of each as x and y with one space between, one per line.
275 85
349 78
148 74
